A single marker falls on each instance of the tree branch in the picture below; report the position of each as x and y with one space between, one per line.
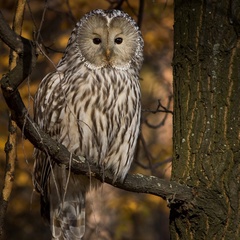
11 144
134 182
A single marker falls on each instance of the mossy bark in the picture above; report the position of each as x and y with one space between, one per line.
206 123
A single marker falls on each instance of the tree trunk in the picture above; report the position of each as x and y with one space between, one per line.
206 122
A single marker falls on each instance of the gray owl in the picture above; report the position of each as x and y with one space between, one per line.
91 105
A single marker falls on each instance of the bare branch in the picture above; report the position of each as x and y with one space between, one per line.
116 4
140 13
147 152
10 37
11 155
160 108
26 57
11 144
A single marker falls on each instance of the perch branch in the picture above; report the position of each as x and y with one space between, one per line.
134 182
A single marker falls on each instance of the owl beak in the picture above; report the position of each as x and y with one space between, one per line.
108 54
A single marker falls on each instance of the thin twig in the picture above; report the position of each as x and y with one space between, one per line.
70 13
147 152
160 108
154 165
116 4
140 13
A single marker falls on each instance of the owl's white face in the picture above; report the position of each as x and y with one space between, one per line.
107 42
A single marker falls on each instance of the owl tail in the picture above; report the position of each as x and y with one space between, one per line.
68 221
67 204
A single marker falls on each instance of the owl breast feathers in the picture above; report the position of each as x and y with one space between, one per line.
91 105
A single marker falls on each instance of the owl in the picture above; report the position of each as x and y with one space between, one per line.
91 105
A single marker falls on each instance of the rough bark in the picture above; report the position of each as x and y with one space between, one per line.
207 118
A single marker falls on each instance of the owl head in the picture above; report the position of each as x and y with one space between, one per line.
107 39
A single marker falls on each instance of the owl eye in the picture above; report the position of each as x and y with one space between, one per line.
118 40
97 41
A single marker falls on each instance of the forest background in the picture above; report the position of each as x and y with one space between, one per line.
116 214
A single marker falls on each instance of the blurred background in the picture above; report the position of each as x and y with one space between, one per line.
112 213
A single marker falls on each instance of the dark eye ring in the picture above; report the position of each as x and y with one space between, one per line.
97 41
118 40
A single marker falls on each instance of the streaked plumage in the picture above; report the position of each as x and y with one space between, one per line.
90 104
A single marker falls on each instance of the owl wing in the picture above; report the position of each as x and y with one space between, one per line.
62 202
48 104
